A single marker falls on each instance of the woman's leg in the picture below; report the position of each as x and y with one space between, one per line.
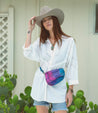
60 111
41 106
41 109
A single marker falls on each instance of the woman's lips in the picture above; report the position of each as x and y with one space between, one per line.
49 25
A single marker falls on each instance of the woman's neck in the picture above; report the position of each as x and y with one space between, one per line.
52 37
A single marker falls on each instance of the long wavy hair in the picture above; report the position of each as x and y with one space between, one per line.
44 34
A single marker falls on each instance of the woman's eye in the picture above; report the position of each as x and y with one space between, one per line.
47 19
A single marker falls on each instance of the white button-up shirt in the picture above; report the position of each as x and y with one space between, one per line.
60 57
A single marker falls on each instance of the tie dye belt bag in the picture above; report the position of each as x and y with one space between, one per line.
54 76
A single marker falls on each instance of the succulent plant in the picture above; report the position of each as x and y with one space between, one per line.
30 110
15 99
10 103
79 104
72 108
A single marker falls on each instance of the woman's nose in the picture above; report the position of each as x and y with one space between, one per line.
47 22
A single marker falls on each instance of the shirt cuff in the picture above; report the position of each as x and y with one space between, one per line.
73 82
27 48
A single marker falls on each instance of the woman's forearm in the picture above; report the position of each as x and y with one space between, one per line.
31 26
28 39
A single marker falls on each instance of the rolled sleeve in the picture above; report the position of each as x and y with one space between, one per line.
72 67
32 52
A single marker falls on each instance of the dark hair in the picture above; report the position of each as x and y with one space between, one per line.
44 34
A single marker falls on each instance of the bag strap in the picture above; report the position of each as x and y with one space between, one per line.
66 58
42 70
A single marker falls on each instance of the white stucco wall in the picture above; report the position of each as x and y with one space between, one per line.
79 23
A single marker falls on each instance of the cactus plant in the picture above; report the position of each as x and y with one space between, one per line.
12 104
15 99
93 107
30 110
7 84
4 107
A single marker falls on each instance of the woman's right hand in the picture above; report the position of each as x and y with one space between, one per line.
30 25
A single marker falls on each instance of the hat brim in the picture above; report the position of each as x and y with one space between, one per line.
54 12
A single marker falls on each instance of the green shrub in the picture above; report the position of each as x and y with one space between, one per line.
12 104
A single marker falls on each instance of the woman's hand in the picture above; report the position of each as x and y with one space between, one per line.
69 98
30 25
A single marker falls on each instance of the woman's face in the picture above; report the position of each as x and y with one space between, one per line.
48 23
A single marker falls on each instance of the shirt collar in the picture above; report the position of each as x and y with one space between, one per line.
49 41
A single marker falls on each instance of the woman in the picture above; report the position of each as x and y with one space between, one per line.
53 49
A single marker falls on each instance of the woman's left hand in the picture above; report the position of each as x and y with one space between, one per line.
69 98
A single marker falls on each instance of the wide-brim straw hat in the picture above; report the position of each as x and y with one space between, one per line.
46 11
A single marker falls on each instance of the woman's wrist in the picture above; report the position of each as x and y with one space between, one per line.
70 89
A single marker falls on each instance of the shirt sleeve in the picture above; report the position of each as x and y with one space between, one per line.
72 67
32 52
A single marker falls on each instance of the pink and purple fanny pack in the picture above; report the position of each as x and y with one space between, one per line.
54 76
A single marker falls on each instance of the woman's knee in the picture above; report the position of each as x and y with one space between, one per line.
42 109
